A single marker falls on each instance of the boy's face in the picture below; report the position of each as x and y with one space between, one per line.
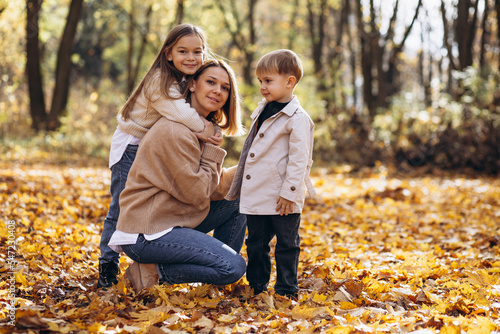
276 87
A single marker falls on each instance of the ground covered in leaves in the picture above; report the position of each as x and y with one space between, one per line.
381 253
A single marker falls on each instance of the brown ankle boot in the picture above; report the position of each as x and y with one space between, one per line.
142 275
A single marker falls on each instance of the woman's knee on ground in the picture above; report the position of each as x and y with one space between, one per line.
235 271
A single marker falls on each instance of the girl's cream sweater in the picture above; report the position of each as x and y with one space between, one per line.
146 112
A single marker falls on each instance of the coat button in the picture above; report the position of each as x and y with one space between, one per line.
292 188
261 135
248 177
252 155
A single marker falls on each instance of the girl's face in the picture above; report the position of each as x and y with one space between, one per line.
210 91
187 54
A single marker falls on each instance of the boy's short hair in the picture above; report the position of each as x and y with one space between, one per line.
282 62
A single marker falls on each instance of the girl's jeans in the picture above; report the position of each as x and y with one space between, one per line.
187 255
119 173
261 230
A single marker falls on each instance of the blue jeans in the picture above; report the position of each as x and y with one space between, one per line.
261 230
187 255
119 173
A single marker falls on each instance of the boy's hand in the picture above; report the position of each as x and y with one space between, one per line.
207 132
284 206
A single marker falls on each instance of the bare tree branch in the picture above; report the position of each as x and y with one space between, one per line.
392 22
409 28
232 32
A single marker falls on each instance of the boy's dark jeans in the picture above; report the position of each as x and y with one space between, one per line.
261 230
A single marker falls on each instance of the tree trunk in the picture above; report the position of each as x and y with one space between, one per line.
472 34
446 36
35 86
179 14
448 44
144 40
366 61
430 73
497 7
484 40
248 71
383 78
317 32
336 96
428 87
130 51
134 66
465 31
63 67
421 74
461 32
352 61
425 71
292 32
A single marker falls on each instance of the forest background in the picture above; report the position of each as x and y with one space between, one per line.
406 83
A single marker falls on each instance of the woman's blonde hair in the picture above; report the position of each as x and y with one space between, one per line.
228 118
168 73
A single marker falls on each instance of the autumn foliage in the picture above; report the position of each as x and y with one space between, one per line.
381 253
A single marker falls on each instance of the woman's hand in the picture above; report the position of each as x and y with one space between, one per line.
284 206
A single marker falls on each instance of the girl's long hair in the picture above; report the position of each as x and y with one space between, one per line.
228 118
168 74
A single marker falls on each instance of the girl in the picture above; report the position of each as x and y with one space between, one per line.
173 196
157 95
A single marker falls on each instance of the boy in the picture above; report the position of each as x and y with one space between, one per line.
273 173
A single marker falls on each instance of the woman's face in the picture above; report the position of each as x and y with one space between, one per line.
210 91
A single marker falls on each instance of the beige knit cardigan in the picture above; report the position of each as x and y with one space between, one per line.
172 180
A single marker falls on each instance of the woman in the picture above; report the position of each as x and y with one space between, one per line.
173 196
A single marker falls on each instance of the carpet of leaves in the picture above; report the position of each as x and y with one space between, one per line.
381 253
